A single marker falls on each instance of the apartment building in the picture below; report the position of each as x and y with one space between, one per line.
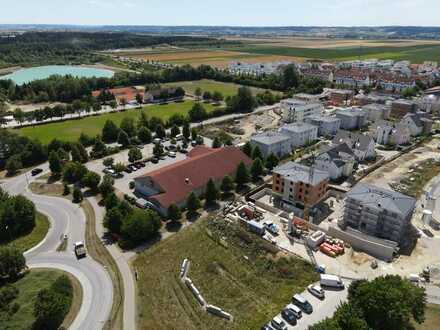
351 118
299 185
378 212
419 123
399 108
326 125
300 134
338 160
375 112
341 96
296 111
275 143
390 133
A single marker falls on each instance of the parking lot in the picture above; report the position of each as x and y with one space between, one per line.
122 184
321 308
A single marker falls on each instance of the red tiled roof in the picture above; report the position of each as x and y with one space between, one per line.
128 93
178 180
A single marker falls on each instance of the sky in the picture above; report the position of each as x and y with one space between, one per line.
222 12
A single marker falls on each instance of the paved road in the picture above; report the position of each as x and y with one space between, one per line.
66 217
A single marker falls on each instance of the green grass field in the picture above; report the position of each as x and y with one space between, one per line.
227 89
28 241
252 290
70 130
28 286
415 54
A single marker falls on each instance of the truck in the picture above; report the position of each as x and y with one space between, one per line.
328 280
80 250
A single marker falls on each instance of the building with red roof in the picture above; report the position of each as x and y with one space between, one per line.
173 183
128 94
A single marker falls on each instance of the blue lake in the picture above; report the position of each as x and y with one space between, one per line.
42 72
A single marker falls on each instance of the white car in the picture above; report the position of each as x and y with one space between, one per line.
316 290
172 154
278 323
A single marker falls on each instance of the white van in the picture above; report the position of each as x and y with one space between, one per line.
331 281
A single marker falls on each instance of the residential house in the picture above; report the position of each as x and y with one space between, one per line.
363 146
338 160
419 123
391 133
399 108
379 212
326 125
173 183
125 95
351 118
297 110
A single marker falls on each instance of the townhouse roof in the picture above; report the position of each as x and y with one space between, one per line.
300 173
350 112
323 119
354 140
336 153
390 200
298 127
178 180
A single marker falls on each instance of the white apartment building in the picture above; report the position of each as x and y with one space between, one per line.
296 111
300 134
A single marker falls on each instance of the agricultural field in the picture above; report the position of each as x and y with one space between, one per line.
415 54
215 58
233 269
227 89
70 130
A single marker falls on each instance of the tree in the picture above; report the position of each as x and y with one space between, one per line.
134 154
111 201
211 193
13 164
128 126
216 143
227 185
194 134
19 116
77 195
198 93
174 213
113 220
271 162
110 132
12 262
139 98
113 104
289 77
247 149
192 203
186 131
17 217
55 163
157 150
119 168
257 169
207 95
241 175
144 135
74 172
175 131
99 149
217 97
244 101
91 180
197 112
256 153
123 139
139 226
160 131
66 189
106 186
108 162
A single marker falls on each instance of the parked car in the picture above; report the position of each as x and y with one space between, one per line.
183 151
109 171
138 165
316 290
271 227
278 323
155 160
289 316
127 170
302 303
36 171
266 327
296 310
172 154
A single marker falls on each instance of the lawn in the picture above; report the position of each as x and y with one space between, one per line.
227 89
70 130
243 275
415 54
40 230
432 314
28 286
